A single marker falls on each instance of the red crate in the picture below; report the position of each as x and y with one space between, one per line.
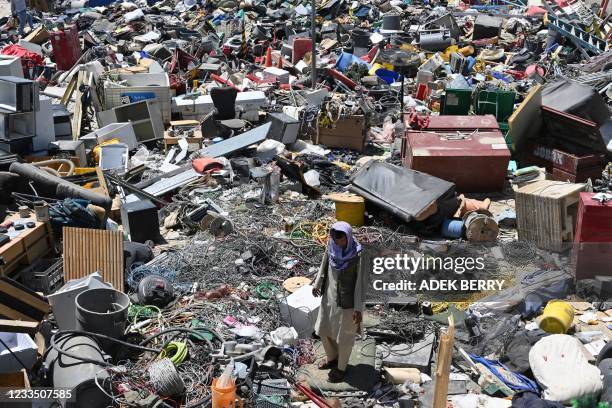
593 239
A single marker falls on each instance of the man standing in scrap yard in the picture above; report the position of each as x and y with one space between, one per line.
19 9
340 282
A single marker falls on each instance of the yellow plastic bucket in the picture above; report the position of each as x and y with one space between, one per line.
349 208
557 317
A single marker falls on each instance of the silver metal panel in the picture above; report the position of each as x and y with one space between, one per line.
236 143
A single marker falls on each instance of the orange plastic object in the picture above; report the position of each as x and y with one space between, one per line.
225 397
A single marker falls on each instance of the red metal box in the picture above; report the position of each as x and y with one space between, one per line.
593 239
474 161
576 167
460 122
66 47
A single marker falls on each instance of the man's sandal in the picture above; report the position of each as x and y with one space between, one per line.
324 365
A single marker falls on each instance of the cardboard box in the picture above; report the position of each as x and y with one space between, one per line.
16 380
348 132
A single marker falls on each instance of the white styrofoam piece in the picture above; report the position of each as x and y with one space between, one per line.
300 310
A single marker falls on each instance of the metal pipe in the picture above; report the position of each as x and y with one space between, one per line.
313 35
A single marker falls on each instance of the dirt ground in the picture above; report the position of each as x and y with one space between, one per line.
5 8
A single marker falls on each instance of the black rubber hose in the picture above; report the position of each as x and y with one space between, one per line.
62 188
55 347
14 355
196 332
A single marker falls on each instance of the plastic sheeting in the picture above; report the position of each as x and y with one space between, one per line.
577 99
533 290
560 367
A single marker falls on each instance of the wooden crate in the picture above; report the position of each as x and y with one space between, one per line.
195 142
348 132
546 213
16 381
24 249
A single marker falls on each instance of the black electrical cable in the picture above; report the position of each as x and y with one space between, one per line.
14 355
196 332
204 402
55 347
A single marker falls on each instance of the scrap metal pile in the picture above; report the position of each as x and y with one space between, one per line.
170 171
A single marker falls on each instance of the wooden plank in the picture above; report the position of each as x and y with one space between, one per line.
18 326
77 116
18 380
69 91
445 354
13 314
102 180
526 121
12 288
26 245
93 92
90 250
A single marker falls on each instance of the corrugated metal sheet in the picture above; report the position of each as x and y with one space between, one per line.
89 250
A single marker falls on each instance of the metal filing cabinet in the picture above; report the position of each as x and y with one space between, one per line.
145 117
18 94
16 126
61 122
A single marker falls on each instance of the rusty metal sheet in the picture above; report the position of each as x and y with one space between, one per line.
462 122
567 162
474 161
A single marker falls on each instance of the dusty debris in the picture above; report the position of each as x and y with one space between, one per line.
274 204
